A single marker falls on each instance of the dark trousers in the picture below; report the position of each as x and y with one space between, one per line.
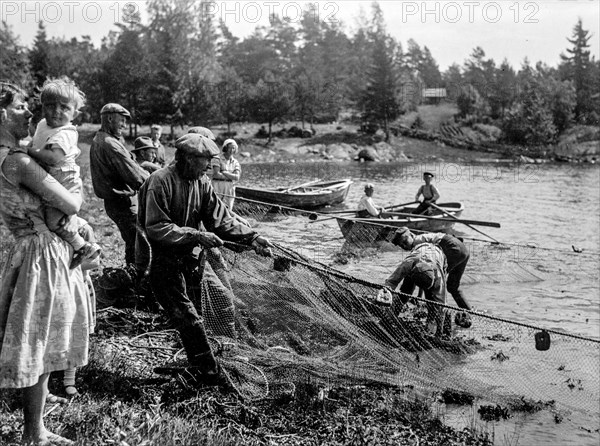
123 211
423 207
457 256
177 283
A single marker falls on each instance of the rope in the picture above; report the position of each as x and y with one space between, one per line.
533 246
529 245
279 206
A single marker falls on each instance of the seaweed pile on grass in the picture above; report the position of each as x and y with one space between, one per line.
123 402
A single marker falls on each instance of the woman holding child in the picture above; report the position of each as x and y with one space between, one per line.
45 317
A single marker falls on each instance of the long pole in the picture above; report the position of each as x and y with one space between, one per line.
456 218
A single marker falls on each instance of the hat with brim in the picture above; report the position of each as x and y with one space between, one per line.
202 131
141 143
423 275
428 174
400 235
369 186
115 108
196 144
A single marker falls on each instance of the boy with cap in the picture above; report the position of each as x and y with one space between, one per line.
424 267
366 206
429 192
145 154
176 204
116 176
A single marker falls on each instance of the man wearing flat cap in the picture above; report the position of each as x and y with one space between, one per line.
457 256
116 176
180 212
424 267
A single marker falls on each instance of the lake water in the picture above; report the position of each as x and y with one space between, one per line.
537 278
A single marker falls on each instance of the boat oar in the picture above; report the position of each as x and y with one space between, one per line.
314 216
400 205
299 186
435 206
491 224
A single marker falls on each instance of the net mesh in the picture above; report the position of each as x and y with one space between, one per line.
297 318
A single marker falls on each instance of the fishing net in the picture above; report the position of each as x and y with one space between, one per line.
309 321
323 324
298 320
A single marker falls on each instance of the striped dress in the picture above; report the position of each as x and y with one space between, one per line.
45 308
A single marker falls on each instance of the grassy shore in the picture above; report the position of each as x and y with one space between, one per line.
122 403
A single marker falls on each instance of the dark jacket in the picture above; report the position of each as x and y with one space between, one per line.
115 173
172 211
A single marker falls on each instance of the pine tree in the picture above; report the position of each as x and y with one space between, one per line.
578 67
380 102
14 66
39 55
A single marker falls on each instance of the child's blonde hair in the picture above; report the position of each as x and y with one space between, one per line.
62 88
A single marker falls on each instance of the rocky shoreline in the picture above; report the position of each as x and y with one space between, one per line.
416 145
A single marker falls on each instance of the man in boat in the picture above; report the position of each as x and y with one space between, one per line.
176 203
429 192
366 206
424 267
457 257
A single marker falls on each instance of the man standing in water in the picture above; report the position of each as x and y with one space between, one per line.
457 257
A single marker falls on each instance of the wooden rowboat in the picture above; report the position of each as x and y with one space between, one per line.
313 195
372 230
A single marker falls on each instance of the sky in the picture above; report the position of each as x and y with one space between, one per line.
510 29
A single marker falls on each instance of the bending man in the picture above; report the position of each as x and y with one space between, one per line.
424 267
457 256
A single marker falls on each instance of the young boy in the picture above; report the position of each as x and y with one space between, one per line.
429 192
54 145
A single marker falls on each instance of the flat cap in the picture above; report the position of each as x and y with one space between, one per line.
115 108
194 143
202 131
369 186
143 142
428 174
401 231
423 275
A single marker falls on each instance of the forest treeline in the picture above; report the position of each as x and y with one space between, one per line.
185 66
